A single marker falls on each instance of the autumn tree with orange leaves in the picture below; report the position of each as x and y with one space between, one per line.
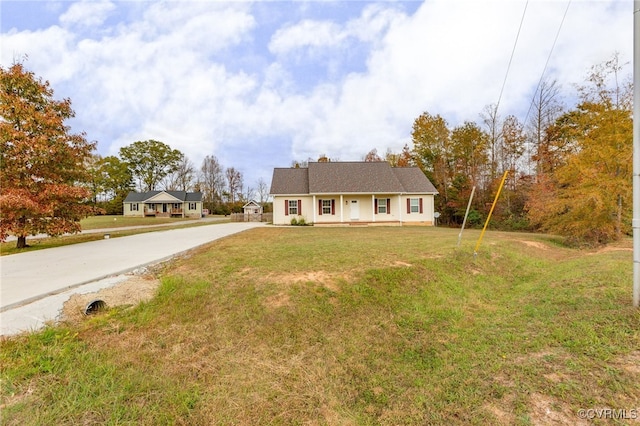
41 163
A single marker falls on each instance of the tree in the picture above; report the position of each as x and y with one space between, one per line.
491 120
372 156
234 183
150 161
587 197
431 151
469 146
512 147
263 191
182 179
42 164
114 181
211 180
546 107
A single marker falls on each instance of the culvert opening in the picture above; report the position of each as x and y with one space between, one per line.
95 306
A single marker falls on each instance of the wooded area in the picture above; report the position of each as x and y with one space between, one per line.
569 169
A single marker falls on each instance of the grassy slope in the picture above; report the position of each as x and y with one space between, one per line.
347 326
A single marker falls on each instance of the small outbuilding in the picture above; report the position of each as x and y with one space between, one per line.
252 207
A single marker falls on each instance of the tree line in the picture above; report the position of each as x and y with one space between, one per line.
153 165
568 170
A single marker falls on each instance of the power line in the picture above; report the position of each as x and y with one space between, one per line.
513 51
547 63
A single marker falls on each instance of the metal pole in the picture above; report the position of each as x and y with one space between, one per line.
464 221
495 200
636 153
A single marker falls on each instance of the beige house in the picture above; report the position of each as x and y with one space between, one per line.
351 193
252 207
163 204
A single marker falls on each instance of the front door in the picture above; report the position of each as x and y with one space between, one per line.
355 210
164 207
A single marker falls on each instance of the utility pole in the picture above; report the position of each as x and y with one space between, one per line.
636 153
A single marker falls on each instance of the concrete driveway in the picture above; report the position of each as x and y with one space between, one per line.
31 278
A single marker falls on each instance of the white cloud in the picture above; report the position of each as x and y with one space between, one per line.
87 13
197 75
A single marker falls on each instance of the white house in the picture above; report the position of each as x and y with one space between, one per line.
371 193
163 204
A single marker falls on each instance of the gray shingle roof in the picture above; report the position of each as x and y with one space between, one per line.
290 181
413 180
350 178
140 197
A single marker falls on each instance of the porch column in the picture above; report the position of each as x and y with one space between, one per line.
341 209
400 207
315 207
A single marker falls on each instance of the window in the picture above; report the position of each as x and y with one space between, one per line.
293 207
134 207
415 205
382 205
326 207
192 206
176 206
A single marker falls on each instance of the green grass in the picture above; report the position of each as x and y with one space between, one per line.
99 222
111 221
288 325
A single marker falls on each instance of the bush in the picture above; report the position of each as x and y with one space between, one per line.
299 222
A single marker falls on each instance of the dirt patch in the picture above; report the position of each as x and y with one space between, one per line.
134 290
328 280
502 414
630 362
546 410
535 244
277 301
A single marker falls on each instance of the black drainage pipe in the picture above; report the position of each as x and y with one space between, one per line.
95 306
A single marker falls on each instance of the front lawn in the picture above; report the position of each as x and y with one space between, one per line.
290 325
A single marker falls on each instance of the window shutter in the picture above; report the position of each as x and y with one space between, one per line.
420 205
333 207
388 205
375 206
408 205
320 207
299 207
286 207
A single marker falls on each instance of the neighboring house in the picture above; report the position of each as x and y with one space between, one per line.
163 204
333 193
252 207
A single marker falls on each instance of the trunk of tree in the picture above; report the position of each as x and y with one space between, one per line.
22 241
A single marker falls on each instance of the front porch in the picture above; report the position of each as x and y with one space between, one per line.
163 211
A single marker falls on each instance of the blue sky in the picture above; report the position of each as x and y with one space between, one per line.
260 84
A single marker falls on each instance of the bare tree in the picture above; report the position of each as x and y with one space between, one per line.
491 121
546 107
263 191
182 179
211 179
234 183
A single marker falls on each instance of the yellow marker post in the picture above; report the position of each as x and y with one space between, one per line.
495 200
